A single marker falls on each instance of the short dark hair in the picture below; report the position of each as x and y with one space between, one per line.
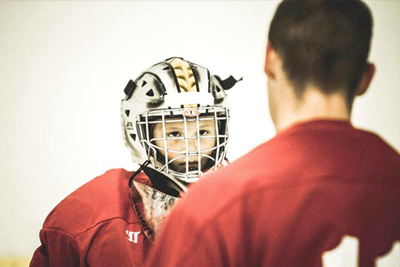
323 43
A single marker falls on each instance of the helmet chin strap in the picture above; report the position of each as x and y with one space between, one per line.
160 181
137 172
164 183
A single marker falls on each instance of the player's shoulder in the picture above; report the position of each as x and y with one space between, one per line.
377 142
101 199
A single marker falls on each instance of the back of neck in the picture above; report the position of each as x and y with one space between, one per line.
314 105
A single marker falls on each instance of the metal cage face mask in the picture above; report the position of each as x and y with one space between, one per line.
181 94
185 142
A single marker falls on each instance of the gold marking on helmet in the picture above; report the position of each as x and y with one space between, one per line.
185 77
184 74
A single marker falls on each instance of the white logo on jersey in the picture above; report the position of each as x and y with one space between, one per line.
132 236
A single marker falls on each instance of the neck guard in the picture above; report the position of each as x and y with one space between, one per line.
152 208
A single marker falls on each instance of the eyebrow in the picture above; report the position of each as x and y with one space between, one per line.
207 123
173 128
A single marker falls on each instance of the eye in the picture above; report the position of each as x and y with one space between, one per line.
174 134
203 132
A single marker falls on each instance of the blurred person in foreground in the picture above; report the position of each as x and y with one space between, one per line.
321 192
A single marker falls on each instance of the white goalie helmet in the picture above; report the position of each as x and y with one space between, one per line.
175 119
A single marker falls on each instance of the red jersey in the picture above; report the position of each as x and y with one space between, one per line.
94 226
290 202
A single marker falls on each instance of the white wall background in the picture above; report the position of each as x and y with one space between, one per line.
64 65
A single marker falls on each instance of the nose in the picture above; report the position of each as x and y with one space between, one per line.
193 143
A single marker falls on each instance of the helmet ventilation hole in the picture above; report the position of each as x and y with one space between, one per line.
150 93
218 89
127 112
144 83
133 136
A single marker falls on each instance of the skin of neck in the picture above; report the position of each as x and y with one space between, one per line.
287 109
314 105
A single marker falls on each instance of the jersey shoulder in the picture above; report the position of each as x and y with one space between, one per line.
103 198
301 154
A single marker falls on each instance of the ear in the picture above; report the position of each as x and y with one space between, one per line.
270 61
366 79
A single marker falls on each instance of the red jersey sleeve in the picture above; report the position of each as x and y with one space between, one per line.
57 249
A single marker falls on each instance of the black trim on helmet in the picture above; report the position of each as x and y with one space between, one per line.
129 88
196 76
228 83
178 88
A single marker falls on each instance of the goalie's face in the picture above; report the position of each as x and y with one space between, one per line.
186 149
